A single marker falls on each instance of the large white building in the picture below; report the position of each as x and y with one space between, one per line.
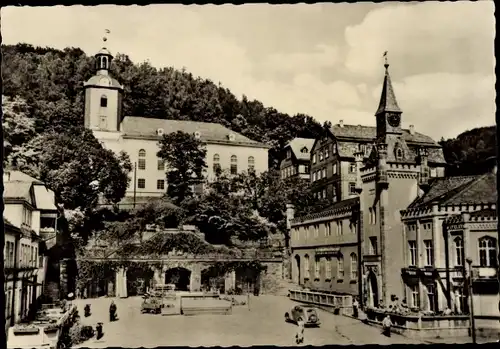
138 136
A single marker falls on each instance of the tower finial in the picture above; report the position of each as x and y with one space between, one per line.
105 37
386 65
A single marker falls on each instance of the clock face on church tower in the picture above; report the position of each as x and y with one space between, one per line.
394 120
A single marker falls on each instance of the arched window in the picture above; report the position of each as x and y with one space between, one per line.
216 165
141 164
251 164
354 266
459 251
234 164
104 101
487 252
340 267
306 267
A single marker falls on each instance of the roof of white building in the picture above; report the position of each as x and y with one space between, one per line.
143 127
297 144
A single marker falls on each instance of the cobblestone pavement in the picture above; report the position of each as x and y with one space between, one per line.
263 324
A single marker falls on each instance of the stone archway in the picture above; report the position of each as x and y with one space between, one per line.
180 277
296 270
139 280
213 279
372 289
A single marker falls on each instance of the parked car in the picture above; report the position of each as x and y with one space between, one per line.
307 313
151 305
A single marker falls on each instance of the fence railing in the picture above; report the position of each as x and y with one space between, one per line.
331 301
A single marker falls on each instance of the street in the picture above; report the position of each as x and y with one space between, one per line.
263 324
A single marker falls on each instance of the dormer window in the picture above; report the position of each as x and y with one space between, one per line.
399 153
232 137
104 101
304 150
197 135
160 132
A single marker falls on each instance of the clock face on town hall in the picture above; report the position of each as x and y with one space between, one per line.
394 119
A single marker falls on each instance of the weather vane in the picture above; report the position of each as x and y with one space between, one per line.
385 58
106 32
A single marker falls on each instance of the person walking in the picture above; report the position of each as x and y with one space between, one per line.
386 326
112 311
355 307
299 337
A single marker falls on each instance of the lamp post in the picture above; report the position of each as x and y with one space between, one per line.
471 310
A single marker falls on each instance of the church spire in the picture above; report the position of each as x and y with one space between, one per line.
388 101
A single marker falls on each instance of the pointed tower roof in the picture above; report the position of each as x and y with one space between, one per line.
388 101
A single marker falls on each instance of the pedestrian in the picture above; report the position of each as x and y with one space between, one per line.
355 306
299 337
112 311
386 326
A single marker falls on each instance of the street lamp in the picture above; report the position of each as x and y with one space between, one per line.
471 310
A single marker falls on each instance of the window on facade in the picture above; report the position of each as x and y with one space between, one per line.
323 173
399 153
432 297
161 165
487 252
328 229
142 160
307 168
324 193
141 183
352 188
370 213
334 168
306 267
316 268
321 156
328 268
340 267
412 245
354 266
373 245
374 209
459 251
334 148
340 230
104 101
314 158
289 154
32 256
251 164
429 252
160 184
304 150
352 167
334 194
234 164
27 216
316 230
352 227
327 154
415 299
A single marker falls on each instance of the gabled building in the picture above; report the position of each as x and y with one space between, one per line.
296 162
454 220
138 136
32 215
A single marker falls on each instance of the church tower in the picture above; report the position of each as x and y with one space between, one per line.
103 96
388 113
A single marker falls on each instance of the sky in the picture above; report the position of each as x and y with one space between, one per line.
324 60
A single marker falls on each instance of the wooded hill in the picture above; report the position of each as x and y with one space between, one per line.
51 83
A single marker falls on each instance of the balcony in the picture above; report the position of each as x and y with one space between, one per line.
484 274
413 271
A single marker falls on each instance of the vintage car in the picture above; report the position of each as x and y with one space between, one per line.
151 305
307 313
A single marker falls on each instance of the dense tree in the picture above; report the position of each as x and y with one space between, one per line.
75 166
18 127
184 157
470 152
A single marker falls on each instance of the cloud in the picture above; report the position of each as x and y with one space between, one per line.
322 56
425 37
444 104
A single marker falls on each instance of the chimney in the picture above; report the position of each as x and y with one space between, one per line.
290 214
412 129
341 123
